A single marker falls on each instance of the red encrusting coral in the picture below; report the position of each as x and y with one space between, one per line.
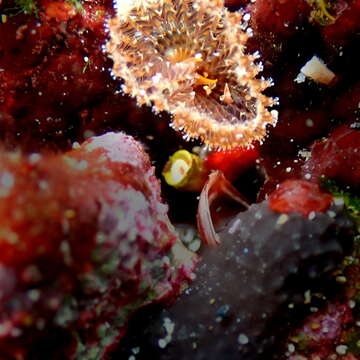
345 26
346 106
337 157
299 125
232 163
278 17
321 333
52 69
59 10
55 83
300 196
84 241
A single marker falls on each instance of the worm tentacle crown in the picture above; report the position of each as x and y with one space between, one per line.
187 57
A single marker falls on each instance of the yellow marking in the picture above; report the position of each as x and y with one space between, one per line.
202 80
193 59
322 6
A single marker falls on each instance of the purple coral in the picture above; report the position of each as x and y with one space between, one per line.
249 289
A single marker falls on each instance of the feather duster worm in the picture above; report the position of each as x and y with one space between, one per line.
187 57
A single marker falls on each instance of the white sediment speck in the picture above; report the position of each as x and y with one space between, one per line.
291 348
309 122
243 339
34 158
162 343
312 215
195 245
282 219
7 180
234 226
169 327
341 349
82 165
